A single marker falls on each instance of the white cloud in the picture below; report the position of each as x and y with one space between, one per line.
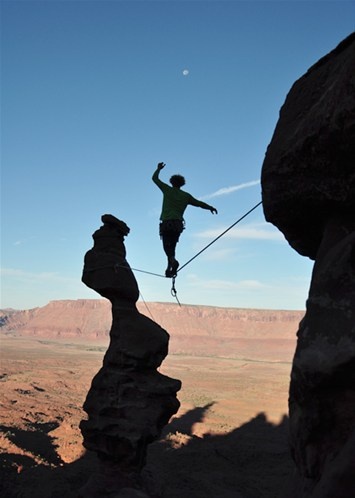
34 277
230 190
219 284
219 254
287 293
254 231
26 290
23 241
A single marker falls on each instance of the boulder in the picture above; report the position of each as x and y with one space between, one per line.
308 184
309 169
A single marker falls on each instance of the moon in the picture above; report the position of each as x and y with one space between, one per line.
185 72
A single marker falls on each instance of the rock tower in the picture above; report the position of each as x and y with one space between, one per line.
129 401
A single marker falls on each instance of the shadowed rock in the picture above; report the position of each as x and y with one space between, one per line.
129 402
309 170
308 182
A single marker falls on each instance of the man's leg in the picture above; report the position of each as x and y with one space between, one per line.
169 245
170 240
170 232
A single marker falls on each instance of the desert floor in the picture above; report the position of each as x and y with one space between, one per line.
228 440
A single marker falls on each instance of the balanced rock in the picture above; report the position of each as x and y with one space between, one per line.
308 183
129 401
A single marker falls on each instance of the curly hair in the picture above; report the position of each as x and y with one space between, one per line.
177 181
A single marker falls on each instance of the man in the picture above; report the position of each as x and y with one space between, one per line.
175 201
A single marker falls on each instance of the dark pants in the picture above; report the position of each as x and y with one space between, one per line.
170 231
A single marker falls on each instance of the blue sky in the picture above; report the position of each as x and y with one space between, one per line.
95 94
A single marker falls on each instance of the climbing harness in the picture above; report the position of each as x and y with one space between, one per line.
175 226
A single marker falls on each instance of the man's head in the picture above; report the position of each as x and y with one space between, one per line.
177 181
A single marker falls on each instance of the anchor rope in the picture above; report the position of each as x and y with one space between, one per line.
146 305
219 236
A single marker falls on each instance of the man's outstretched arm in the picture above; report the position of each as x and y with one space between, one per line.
203 205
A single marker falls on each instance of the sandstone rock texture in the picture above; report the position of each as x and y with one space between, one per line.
129 401
308 182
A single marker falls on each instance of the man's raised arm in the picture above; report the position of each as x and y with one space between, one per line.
155 176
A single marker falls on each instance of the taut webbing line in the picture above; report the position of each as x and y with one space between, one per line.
221 235
148 272
173 289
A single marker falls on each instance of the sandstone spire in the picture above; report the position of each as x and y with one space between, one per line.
129 401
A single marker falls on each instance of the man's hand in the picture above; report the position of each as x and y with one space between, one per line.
161 166
213 210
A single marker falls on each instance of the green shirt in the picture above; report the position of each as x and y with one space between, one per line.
175 201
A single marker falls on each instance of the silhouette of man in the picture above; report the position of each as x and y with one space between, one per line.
175 201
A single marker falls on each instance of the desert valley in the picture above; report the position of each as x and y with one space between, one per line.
229 437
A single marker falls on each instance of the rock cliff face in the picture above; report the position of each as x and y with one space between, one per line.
194 330
90 320
308 182
129 401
